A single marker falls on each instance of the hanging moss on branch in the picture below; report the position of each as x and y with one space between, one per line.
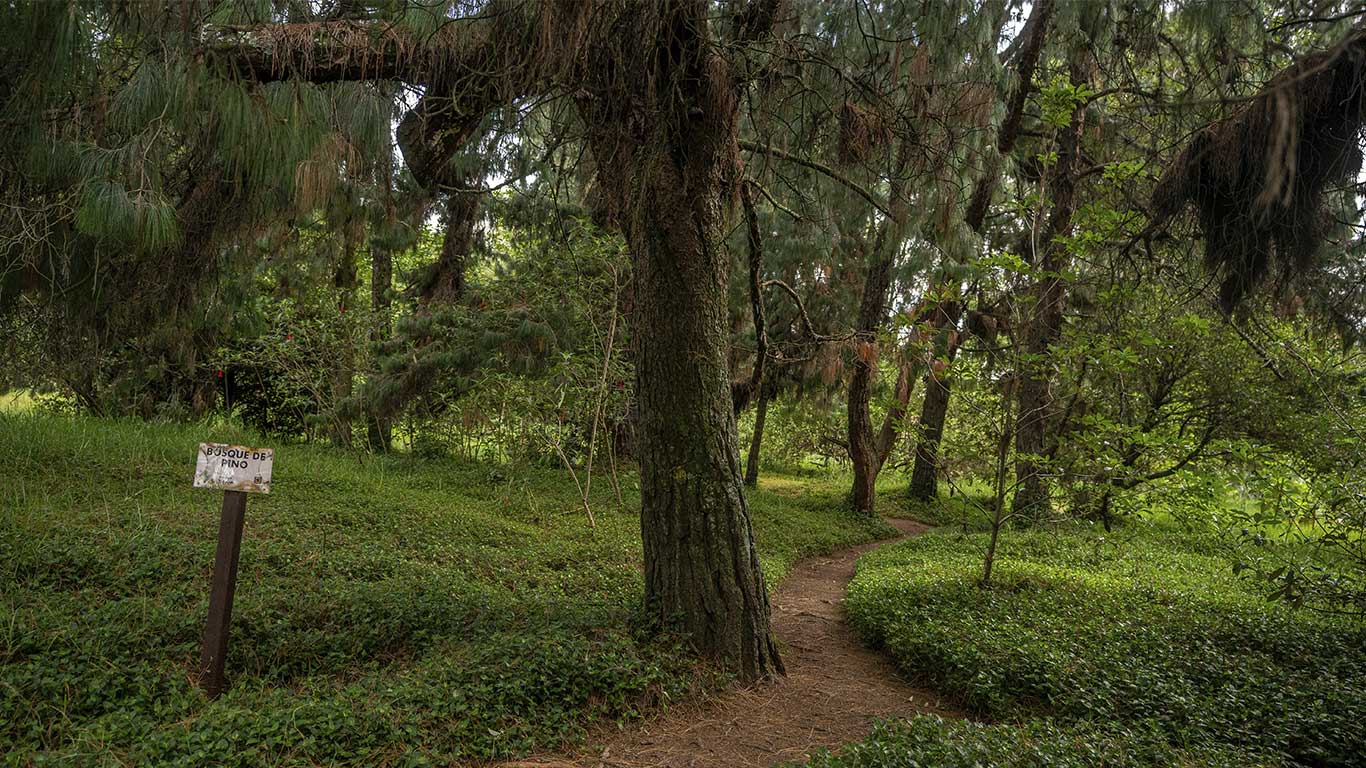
1258 176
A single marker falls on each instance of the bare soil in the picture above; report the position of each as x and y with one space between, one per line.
834 688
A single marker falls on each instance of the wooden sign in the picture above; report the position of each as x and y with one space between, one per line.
233 468
237 470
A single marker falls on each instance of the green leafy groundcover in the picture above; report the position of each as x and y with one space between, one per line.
1141 645
390 611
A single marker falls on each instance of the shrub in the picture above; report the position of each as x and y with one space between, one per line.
1152 632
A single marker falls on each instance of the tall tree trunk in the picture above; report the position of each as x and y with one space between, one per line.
343 371
700 560
755 387
1044 326
934 410
670 183
757 439
864 446
933 413
659 104
379 425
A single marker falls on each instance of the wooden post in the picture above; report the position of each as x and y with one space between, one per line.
220 596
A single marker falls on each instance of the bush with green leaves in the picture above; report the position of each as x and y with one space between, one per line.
929 741
1147 632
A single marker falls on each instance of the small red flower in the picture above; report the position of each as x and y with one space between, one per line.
220 374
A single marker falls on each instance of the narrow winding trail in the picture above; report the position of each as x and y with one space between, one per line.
834 688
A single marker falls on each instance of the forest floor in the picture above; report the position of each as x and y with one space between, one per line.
391 610
834 689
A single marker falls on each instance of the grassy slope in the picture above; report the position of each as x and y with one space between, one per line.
389 611
1138 648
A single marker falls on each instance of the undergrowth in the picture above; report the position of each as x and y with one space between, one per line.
1134 648
389 610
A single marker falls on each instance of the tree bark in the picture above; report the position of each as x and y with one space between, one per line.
755 388
1044 326
756 441
933 413
344 281
700 564
938 389
445 283
659 104
379 426
671 185
864 447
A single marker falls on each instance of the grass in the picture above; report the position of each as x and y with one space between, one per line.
390 611
1137 648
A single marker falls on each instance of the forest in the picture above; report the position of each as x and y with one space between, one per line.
626 383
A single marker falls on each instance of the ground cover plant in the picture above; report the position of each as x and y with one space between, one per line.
1139 647
541 274
390 610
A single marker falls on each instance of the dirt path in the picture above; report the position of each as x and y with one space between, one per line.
834 688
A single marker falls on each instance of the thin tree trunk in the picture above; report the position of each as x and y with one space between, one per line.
379 426
863 445
1044 327
756 441
750 389
343 371
602 392
938 391
998 507
756 386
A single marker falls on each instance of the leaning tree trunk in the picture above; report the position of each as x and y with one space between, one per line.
445 282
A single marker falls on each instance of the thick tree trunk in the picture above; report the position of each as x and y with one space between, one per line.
670 183
701 566
659 104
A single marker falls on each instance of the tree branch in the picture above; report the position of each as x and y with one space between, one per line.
771 151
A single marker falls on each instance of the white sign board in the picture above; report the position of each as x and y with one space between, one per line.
233 468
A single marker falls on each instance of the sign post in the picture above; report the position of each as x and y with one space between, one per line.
236 470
